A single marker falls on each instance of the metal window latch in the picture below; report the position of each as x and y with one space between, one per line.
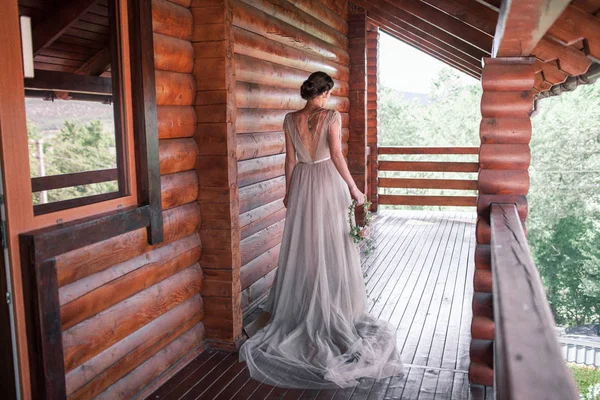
8 298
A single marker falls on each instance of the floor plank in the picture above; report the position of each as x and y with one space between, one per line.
419 278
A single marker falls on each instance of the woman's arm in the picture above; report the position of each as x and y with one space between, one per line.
290 160
335 147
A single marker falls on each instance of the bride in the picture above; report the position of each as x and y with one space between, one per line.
318 331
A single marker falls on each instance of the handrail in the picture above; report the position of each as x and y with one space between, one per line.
439 166
528 363
427 150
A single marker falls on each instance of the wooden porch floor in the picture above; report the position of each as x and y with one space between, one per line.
419 277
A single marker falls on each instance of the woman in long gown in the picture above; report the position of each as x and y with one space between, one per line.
319 332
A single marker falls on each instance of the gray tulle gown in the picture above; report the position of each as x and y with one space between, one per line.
320 334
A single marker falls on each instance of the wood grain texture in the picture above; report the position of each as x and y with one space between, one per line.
523 318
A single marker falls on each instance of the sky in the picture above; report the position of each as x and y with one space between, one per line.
405 68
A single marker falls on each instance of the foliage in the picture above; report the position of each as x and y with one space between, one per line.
587 380
76 147
361 234
564 208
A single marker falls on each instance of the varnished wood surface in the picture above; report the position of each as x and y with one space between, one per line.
419 278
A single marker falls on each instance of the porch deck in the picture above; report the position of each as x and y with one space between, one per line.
419 277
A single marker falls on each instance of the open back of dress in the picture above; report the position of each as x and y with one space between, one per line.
320 334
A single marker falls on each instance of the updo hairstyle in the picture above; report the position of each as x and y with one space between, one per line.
317 83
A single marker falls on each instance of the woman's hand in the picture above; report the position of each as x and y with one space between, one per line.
285 201
357 195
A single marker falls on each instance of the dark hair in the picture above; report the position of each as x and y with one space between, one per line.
317 83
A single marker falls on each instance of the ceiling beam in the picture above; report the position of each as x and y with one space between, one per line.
96 65
445 22
523 23
419 44
57 22
432 42
399 17
67 82
404 35
470 12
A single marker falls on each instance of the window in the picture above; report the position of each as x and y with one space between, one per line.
75 120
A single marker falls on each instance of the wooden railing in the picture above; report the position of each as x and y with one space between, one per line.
528 363
424 183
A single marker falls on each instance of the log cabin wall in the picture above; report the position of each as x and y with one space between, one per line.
276 46
504 157
357 144
372 118
217 170
130 312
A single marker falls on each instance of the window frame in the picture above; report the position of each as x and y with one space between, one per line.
139 140
120 117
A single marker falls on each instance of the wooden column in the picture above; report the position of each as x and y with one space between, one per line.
372 118
217 171
357 141
504 158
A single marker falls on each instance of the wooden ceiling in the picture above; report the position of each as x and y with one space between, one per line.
461 32
70 36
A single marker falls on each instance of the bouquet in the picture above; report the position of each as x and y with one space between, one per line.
361 234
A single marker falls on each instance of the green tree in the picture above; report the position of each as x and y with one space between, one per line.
76 148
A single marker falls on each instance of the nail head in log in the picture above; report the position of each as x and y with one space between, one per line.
171 19
505 130
176 122
172 54
503 182
504 156
506 104
177 155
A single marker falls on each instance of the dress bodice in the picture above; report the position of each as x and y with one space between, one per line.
329 119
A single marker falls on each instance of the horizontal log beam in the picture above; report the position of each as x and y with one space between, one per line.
259 267
456 184
89 338
77 264
522 24
427 150
171 19
457 201
94 376
253 246
67 82
177 155
260 169
173 54
176 122
428 166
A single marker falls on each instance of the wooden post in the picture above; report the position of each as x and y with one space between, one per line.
357 141
372 117
217 171
504 158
